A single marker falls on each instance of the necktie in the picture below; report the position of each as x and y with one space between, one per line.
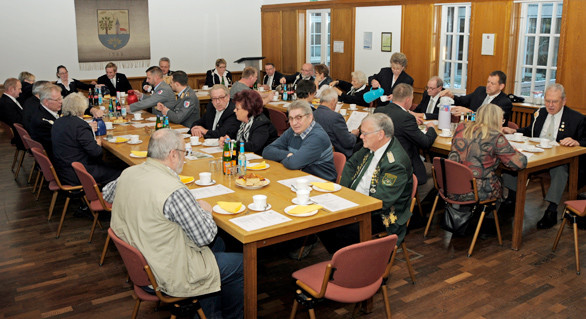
352 91
430 106
551 129
486 100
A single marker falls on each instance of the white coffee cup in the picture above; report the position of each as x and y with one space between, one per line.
205 87
302 184
446 132
134 138
544 142
276 97
109 125
303 196
205 178
260 201
352 107
194 140
518 136
261 89
137 116
384 98
343 111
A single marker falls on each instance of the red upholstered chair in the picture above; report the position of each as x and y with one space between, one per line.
21 132
55 185
141 275
339 162
574 208
7 128
279 120
32 143
337 280
457 179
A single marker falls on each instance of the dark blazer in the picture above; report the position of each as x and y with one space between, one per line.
261 134
227 125
212 78
28 109
41 123
411 138
474 100
422 107
571 125
294 78
385 78
325 81
122 84
356 97
276 79
73 87
335 125
26 92
10 113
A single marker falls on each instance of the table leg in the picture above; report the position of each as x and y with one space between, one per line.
365 227
519 209
250 280
573 178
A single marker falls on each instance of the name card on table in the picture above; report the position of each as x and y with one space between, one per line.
260 220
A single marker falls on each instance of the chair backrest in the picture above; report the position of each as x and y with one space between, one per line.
512 125
279 120
90 187
7 127
22 132
45 164
339 162
133 260
457 180
369 259
32 143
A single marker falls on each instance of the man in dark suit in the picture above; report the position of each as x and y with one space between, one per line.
408 133
305 74
272 78
115 82
32 103
556 122
10 109
219 119
185 110
43 118
334 124
27 80
428 108
491 93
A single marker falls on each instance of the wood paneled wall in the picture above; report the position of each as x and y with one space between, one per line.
417 42
342 28
272 39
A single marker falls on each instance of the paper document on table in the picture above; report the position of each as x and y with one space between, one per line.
210 191
279 103
252 156
198 155
139 125
309 178
355 120
212 150
338 107
260 220
528 154
332 202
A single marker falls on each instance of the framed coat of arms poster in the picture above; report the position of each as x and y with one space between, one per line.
112 30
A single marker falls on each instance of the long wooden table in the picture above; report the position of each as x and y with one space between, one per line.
279 196
555 156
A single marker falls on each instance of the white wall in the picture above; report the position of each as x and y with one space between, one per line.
376 20
39 35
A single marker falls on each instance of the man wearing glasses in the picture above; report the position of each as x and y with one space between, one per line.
428 108
44 116
305 74
219 119
305 145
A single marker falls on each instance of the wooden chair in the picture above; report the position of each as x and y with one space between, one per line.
55 185
279 120
337 280
32 143
339 162
7 128
452 178
574 208
21 132
141 275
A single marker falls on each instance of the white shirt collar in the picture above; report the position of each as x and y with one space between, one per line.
55 114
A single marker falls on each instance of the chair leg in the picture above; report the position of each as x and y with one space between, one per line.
19 165
498 227
392 262
419 205
431 216
14 159
356 309
30 176
559 235
386 301
52 206
311 313
294 309
576 250
136 306
200 312
93 225
40 188
105 250
37 181
477 231
62 217
408 261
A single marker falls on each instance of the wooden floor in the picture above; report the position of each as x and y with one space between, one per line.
45 277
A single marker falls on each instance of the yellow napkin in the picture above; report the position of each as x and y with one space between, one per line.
230 207
260 165
186 179
303 209
139 153
327 186
121 139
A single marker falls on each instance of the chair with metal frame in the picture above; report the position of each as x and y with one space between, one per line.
573 210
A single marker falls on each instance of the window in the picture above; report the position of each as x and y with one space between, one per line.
318 36
539 40
453 58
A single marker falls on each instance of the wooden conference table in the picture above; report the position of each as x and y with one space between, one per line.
278 196
555 156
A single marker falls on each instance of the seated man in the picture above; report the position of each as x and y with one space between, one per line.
305 145
556 122
305 74
10 109
115 82
164 65
185 110
382 170
428 108
334 124
45 115
176 235
32 103
162 92
247 80
491 93
219 119
272 78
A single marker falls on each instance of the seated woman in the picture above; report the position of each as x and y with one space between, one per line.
74 141
322 78
68 85
481 146
354 90
256 130
219 75
388 78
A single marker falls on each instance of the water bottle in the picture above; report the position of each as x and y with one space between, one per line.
242 160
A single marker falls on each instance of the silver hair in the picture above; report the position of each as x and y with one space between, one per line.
359 76
328 95
46 90
38 86
74 104
220 87
163 142
556 87
382 122
301 105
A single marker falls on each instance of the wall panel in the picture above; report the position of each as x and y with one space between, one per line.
289 43
271 38
342 29
416 42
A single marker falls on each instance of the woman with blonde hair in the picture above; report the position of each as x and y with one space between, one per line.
219 74
482 147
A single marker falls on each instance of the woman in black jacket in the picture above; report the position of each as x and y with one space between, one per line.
352 93
69 86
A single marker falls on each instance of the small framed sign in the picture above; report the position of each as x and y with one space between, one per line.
386 41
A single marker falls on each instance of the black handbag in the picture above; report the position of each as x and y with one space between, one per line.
456 220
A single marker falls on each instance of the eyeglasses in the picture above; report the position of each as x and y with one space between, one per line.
60 99
218 98
368 133
427 88
180 150
297 118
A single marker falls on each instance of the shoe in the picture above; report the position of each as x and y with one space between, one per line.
548 220
83 212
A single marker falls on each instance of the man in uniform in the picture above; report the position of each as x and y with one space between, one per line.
165 65
162 92
185 110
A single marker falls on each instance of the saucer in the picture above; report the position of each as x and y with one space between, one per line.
534 149
200 183
134 143
546 147
444 135
218 210
296 202
251 206
196 144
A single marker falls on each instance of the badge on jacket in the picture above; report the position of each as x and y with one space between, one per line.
389 179
186 104
160 92
390 157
